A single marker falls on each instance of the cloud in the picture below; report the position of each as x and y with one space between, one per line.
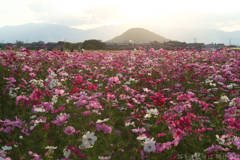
183 14
87 16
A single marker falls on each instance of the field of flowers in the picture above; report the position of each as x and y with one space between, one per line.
158 104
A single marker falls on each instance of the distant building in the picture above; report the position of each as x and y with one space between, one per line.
51 46
214 46
122 46
175 44
111 46
194 45
59 44
148 45
156 45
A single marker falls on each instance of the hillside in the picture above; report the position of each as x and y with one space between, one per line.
139 36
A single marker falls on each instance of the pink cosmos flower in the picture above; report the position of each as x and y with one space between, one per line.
167 145
36 156
58 110
48 93
93 104
32 74
212 148
159 147
86 113
92 87
236 142
140 97
61 119
234 123
78 81
44 105
69 130
179 134
161 135
8 129
91 124
104 127
36 95
26 68
112 81
59 92
141 130
185 123
81 103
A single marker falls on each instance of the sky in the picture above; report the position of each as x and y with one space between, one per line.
204 14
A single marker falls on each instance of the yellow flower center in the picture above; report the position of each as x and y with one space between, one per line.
103 127
69 131
89 139
149 147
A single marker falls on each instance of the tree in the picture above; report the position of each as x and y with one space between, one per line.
93 44
75 45
67 45
19 44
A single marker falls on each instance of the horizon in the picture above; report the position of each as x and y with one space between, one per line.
94 14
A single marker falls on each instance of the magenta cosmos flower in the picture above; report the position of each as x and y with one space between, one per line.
69 130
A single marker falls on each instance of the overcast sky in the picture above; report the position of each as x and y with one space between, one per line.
204 14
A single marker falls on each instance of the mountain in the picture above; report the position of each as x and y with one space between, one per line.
33 32
139 36
53 33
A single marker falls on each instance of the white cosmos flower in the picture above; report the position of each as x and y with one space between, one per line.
197 156
146 90
129 123
127 82
229 86
225 98
39 110
141 137
89 139
220 141
149 145
104 158
81 146
6 147
66 152
152 111
50 147
34 116
119 74
147 116
101 121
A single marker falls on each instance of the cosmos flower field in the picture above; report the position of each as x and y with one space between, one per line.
158 104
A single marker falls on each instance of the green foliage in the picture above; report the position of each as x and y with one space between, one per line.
93 44
67 45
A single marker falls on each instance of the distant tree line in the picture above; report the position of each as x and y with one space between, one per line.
87 44
69 45
94 44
